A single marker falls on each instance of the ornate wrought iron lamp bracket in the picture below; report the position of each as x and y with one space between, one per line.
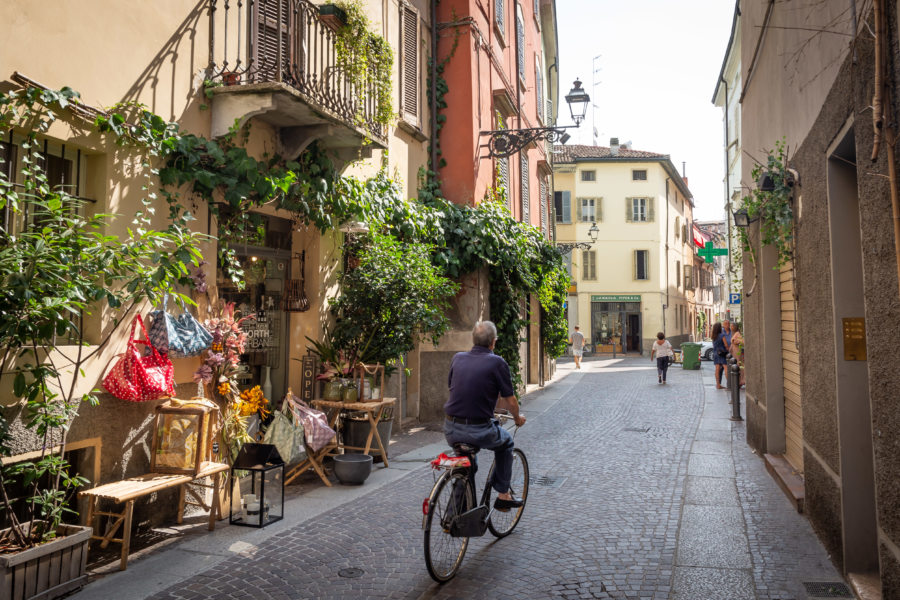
567 247
506 142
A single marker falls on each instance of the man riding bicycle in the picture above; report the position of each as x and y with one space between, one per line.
477 379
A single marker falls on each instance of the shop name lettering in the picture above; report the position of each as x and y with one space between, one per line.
258 336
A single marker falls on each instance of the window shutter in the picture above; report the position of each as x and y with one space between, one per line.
526 192
646 255
520 33
598 210
635 256
593 264
271 32
549 110
629 203
539 90
543 204
567 207
650 203
578 210
585 264
503 167
409 66
499 9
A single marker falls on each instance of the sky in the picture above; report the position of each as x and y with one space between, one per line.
655 76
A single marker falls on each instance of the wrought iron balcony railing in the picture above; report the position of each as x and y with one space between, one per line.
284 41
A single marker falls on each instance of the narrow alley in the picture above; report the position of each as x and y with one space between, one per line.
638 491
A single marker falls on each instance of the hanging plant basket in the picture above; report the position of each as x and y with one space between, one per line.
295 299
332 16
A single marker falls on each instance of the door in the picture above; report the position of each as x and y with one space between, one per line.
790 361
634 332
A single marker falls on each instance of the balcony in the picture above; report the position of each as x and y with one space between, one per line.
277 61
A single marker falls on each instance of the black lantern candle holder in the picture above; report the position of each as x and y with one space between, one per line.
257 476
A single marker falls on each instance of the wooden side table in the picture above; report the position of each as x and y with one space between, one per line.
373 411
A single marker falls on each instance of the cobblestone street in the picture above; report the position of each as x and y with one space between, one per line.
641 491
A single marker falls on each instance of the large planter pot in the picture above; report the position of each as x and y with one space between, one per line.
47 571
352 469
356 430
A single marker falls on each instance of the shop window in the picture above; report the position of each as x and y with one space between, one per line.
589 266
562 203
589 175
642 264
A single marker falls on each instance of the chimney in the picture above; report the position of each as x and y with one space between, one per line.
685 180
614 146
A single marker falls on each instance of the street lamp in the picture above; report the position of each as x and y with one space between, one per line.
506 142
742 218
566 247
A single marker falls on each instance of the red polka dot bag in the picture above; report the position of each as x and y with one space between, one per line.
138 378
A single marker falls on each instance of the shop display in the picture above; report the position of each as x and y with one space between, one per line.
139 378
177 336
257 486
182 438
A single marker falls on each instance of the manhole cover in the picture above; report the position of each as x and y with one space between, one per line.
547 481
637 429
351 573
827 589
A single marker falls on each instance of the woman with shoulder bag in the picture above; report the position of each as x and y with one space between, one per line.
720 352
664 355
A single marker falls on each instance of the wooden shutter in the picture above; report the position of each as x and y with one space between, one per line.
585 264
578 210
629 211
543 204
526 190
271 32
499 10
520 35
650 202
593 264
409 63
598 209
503 167
539 90
634 263
567 207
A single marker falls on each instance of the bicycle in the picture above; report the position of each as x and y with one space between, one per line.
451 516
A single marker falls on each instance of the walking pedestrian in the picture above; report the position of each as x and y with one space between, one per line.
577 341
726 330
720 351
664 355
737 348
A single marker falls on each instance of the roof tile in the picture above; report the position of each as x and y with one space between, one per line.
564 154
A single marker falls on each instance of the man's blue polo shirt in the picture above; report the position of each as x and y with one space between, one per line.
477 378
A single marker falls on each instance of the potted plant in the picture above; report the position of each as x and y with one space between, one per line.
57 268
333 16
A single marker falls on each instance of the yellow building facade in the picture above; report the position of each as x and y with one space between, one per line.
637 278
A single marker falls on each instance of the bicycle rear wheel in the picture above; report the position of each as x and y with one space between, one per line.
443 552
502 524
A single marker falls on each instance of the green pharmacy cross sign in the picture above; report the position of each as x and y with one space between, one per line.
709 252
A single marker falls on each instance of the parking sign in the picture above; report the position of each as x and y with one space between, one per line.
734 298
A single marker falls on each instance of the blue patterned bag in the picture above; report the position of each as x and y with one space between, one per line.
178 336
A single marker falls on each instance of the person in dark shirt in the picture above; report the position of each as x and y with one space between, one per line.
480 382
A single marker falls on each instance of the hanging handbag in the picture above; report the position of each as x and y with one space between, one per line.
286 434
316 430
138 378
177 336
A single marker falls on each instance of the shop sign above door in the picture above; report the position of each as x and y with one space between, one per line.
616 298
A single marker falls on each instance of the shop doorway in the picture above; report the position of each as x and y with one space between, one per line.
266 264
633 332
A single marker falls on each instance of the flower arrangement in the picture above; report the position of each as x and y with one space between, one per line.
220 368
252 402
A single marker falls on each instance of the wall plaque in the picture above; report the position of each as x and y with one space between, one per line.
854 330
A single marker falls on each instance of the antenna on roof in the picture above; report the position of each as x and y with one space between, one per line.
683 174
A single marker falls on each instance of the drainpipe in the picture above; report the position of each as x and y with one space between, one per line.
666 255
728 206
433 104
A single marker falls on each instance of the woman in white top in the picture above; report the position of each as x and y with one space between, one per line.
663 350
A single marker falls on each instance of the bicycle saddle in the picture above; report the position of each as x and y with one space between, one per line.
462 448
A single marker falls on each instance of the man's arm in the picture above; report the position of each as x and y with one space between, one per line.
511 403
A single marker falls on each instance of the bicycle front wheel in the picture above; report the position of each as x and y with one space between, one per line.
452 495
501 523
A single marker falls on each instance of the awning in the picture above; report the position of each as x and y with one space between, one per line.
700 238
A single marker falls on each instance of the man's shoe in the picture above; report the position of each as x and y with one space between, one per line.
504 505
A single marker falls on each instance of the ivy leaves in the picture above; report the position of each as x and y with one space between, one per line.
771 203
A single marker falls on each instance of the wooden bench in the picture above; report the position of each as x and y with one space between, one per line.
128 490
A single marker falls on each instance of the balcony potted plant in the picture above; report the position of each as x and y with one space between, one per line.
56 268
332 16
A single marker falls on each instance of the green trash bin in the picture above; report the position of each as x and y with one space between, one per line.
690 355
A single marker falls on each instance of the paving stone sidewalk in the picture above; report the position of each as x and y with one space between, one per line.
652 494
